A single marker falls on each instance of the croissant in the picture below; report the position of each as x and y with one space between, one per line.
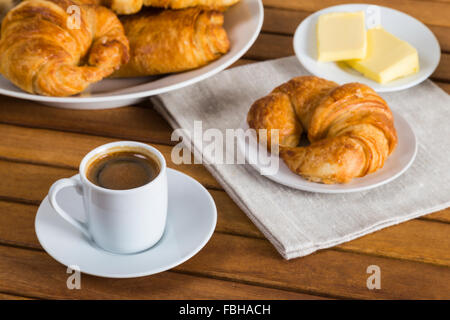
172 41
133 6
58 48
350 128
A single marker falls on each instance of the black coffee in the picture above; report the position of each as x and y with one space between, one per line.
122 170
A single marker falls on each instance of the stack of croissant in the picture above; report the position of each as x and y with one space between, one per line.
60 47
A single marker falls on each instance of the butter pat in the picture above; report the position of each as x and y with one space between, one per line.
341 36
388 57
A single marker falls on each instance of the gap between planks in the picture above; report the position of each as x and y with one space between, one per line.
248 273
312 295
285 22
264 247
15 296
429 12
22 153
233 221
258 290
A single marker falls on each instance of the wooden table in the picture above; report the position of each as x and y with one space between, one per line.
39 145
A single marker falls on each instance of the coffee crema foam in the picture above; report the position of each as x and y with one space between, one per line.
122 169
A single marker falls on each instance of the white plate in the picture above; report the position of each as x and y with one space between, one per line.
243 22
400 24
191 221
397 163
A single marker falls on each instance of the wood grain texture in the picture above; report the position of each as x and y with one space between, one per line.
37 274
35 180
442 216
255 261
43 146
21 216
414 240
429 12
230 220
126 123
444 86
6 296
284 21
340 274
66 149
40 144
442 72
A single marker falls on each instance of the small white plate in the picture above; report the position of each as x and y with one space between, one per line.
191 221
400 24
243 23
397 163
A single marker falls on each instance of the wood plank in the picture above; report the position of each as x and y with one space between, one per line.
270 46
6 296
132 123
273 46
28 183
249 260
403 241
429 12
227 219
443 69
230 220
242 62
415 240
39 145
339 274
441 216
39 275
284 21
236 223
66 149
444 86
21 216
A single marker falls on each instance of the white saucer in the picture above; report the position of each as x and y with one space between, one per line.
400 24
243 23
397 163
191 222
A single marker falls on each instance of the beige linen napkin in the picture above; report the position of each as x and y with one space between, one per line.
298 223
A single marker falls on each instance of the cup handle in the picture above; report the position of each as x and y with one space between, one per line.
54 189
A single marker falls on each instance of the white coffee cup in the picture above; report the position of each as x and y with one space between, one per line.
119 221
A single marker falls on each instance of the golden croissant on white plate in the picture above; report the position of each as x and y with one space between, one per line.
133 6
53 48
350 128
167 41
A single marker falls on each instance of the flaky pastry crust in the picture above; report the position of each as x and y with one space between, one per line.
350 128
170 41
